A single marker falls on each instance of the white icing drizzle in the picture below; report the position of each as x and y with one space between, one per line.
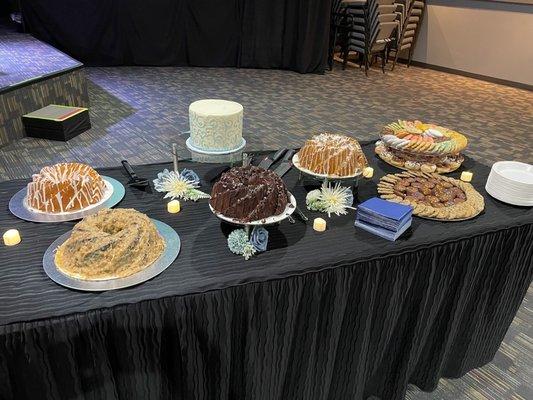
65 187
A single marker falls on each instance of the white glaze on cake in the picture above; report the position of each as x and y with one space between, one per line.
216 125
65 187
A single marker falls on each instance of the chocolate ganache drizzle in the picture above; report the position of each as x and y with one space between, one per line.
249 194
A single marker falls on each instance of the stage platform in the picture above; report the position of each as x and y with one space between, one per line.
33 74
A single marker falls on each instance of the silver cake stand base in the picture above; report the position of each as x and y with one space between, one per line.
214 157
172 249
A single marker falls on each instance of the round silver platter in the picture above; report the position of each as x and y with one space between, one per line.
322 177
19 208
172 249
291 206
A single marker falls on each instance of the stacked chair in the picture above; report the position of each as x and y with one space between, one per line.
374 25
374 28
410 13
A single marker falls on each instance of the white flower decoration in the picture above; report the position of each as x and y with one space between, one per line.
330 199
178 186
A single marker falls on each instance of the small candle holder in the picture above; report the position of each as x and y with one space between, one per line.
319 224
466 176
368 172
173 207
11 237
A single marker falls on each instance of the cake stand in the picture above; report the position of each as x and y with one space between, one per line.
352 179
113 195
289 210
172 249
216 156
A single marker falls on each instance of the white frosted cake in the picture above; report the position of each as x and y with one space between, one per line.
216 125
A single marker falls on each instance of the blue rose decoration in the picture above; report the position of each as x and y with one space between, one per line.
259 238
190 175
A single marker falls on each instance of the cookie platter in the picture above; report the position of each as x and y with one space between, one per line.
418 146
432 196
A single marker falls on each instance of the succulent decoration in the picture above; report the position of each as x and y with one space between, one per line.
182 185
330 199
238 242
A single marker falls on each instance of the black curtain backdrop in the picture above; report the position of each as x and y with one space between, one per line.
213 33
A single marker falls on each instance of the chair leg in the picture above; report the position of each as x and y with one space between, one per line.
409 57
332 43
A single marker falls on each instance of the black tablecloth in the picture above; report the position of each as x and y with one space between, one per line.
244 33
334 315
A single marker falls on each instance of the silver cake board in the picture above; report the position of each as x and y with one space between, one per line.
172 249
216 157
19 208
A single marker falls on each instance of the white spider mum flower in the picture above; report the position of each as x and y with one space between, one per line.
177 186
335 199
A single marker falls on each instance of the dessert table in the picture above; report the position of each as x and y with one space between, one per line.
335 315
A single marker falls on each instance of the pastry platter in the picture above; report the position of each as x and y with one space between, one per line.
417 146
296 163
172 249
289 210
113 195
433 196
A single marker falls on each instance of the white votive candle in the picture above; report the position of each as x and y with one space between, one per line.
319 224
368 172
466 176
11 237
173 206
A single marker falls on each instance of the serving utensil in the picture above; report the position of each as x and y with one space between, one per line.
135 180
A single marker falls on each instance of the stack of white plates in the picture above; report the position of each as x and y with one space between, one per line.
511 182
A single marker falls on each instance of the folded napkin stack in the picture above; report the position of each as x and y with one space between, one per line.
384 218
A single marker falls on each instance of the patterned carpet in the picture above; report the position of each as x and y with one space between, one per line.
138 112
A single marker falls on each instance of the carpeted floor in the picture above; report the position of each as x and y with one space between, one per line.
138 112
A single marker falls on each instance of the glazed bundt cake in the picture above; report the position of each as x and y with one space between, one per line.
110 244
249 194
332 155
65 187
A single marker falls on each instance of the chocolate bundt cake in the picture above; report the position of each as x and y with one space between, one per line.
249 194
110 244
65 187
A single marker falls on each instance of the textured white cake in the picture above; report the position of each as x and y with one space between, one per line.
216 125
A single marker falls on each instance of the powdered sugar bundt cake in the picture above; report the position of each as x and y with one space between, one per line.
333 155
249 194
65 187
112 243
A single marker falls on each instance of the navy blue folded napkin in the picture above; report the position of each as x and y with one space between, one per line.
382 232
384 218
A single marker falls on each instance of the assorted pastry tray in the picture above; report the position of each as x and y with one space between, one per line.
418 146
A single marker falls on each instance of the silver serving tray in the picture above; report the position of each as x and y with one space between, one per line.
289 209
323 177
172 249
18 207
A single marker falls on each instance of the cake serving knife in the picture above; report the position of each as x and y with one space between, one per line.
282 169
267 162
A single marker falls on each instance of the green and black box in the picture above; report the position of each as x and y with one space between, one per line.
57 122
